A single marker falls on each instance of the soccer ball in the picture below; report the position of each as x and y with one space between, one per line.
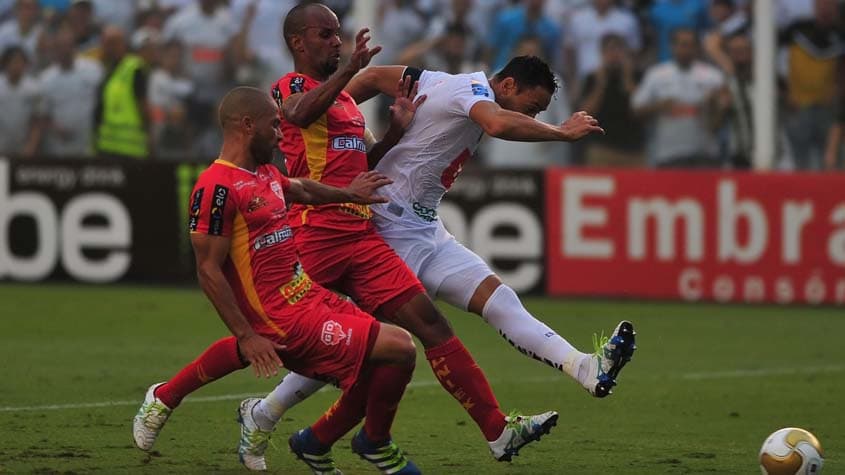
791 451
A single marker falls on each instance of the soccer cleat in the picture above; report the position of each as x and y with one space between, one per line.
307 448
150 419
611 355
387 457
254 440
521 430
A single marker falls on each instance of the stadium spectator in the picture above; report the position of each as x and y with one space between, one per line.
19 95
586 30
117 12
207 31
80 17
676 95
447 52
401 23
607 96
69 92
146 43
727 20
266 57
814 46
666 16
169 93
24 29
511 25
121 114
834 151
460 13
500 153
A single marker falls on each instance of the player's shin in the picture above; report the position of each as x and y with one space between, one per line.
218 360
387 386
459 374
505 312
293 389
344 414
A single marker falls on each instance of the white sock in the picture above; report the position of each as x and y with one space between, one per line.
504 312
293 389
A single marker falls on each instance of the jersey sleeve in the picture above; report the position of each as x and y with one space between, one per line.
213 207
468 92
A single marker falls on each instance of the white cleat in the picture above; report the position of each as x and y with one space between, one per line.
254 440
611 355
519 431
150 419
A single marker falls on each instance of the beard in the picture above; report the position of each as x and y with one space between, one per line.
329 67
261 150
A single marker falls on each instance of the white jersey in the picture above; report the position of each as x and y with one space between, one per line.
429 157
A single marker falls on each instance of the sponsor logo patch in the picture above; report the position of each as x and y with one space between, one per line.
277 189
427 214
256 203
349 143
218 206
297 85
195 209
479 89
298 286
333 334
271 239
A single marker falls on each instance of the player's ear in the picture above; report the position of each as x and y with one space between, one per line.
296 43
247 124
509 85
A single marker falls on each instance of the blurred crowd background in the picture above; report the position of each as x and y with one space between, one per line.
670 80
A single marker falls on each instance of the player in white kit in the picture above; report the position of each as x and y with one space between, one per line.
444 133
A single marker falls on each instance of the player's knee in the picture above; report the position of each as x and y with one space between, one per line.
422 318
395 346
406 350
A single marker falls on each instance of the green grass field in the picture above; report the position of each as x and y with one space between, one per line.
706 386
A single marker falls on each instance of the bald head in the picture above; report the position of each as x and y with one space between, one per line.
298 18
113 42
243 102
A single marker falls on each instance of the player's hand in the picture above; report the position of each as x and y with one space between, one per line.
580 125
262 353
403 109
363 187
362 54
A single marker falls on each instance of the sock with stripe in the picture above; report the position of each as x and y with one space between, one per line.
461 376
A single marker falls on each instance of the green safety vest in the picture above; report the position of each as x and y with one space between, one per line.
121 130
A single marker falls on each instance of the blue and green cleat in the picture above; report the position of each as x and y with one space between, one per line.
386 456
318 457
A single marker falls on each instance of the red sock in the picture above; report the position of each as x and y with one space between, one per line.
218 360
344 414
459 374
387 385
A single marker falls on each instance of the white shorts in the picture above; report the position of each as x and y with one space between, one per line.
446 268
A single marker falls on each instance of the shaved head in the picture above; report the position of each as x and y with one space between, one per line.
243 102
250 118
297 18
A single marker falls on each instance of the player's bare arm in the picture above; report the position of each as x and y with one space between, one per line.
361 190
211 252
509 125
375 80
401 115
302 109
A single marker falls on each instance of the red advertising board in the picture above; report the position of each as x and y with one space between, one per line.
692 235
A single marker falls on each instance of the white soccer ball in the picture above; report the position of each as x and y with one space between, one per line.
791 451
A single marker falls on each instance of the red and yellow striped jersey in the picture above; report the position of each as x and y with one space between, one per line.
262 266
331 150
